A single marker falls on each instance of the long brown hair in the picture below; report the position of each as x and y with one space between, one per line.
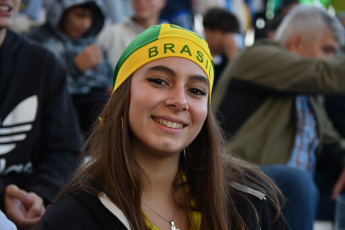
108 166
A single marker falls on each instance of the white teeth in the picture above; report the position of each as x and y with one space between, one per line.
4 8
169 124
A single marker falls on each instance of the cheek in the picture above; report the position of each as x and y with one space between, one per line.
134 106
68 24
200 114
136 115
140 102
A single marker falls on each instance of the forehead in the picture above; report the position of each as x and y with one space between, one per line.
327 39
180 66
80 8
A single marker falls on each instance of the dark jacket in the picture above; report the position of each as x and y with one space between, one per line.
39 134
79 210
82 211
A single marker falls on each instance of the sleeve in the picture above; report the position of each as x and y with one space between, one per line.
253 198
6 223
269 221
74 70
79 211
335 107
110 40
2 194
59 138
271 66
68 214
42 36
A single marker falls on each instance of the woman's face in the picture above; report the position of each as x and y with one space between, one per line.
147 9
77 22
168 105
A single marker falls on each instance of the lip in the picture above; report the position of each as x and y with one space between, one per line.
79 33
6 13
140 9
169 129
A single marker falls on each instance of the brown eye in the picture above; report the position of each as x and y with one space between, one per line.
157 81
330 50
197 91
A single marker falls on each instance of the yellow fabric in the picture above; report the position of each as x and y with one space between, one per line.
172 42
194 217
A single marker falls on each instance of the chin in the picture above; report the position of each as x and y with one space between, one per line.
169 150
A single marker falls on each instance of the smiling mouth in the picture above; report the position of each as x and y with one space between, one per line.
168 124
5 8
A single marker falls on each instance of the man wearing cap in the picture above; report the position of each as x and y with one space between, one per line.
39 133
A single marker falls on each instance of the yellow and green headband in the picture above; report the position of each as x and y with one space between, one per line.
161 41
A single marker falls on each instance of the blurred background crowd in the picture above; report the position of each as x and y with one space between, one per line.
88 38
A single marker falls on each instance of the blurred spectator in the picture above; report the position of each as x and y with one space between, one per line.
118 10
283 9
272 26
70 32
242 12
335 105
179 12
201 6
39 135
269 97
341 17
30 15
220 28
115 38
267 22
237 7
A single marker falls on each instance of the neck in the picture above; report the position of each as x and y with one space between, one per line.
159 194
146 23
2 35
161 170
161 174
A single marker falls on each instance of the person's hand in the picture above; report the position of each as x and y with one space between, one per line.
90 57
25 209
339 185
229 44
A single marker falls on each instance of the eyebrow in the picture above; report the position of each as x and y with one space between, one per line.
168 70
161 68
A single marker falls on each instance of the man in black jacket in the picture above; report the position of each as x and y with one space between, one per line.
39 134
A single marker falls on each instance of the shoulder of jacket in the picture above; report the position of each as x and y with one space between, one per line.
248 190
113 209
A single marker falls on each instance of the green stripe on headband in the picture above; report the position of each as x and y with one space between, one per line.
162 41
150 35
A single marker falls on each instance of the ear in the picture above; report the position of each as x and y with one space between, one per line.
296 45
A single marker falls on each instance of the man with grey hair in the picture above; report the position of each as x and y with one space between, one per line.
269 100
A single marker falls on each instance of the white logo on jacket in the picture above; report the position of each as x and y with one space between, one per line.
14 128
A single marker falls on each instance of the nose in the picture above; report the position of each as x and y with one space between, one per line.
87 22
177 100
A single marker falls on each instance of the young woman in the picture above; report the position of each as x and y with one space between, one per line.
155 160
